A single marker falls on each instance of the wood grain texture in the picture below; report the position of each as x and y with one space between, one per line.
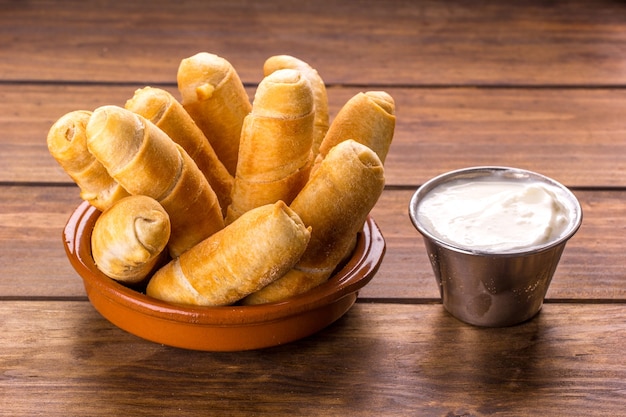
575 136
33 263
63 358
392 42
533 84
32 260
592 263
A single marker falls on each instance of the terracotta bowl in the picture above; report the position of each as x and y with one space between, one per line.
229 328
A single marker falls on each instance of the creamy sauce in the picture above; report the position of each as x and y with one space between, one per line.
495 215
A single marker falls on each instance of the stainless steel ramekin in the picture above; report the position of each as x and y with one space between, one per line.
488 288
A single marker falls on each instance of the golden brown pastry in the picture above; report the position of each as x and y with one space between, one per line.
248 254
334 203
129 238
67 143
320 96
368 118
145 161
214 96
162 109
275 147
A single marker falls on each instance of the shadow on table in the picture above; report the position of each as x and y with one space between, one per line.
145 377
481 371
441 366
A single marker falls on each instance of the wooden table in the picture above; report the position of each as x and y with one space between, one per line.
535 85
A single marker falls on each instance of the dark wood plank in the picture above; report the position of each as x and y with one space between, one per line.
63 358
34 263
28 113
574 136
533 84
591 267
398 42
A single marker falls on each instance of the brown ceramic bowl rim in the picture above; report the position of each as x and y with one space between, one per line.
355 274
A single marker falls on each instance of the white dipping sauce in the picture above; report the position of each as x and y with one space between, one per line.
495 214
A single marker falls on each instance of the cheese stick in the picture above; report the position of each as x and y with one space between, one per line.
129 238
334 204
275 147
214 96
320 126
162 109
145 161
248 254
368 118
67 143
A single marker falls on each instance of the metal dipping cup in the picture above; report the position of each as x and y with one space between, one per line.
493 289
